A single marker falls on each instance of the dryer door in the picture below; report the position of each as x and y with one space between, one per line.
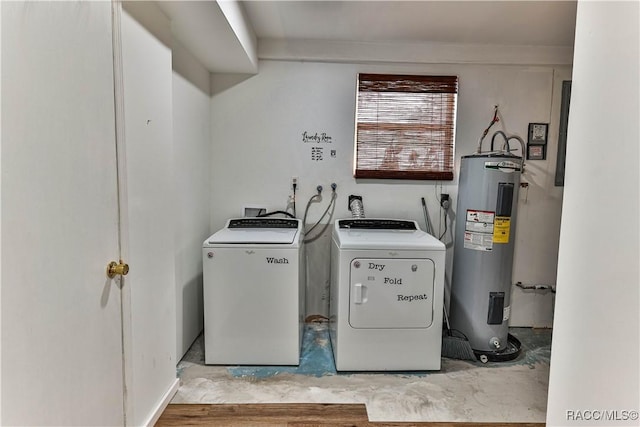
391 293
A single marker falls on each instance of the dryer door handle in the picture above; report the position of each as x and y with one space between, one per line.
358 290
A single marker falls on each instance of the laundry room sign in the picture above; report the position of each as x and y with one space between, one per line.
318 142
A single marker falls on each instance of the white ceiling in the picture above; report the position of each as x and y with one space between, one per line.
227 36
541 23
206 29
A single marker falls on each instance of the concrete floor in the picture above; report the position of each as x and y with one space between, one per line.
514 391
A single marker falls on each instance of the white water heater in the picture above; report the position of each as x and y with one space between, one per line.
484 243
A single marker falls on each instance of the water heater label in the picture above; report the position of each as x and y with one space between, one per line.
478 234
478 241
479 227
501 230
480 216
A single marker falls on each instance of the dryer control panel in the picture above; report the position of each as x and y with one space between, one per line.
262 223
377 224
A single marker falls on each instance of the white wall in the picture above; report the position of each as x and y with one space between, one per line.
0 229
191 157
257 127
538 228
595 357
191 142
147 218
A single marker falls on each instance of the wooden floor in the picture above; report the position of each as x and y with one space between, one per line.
291 415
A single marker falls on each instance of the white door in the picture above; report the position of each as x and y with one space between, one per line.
391 293
147 212
66 327
61 325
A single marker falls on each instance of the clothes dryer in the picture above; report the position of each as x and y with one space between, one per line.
387 291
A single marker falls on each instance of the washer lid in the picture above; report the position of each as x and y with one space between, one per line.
258 231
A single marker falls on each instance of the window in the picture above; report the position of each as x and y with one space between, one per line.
405 126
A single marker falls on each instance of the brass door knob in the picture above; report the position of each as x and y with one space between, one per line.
115 268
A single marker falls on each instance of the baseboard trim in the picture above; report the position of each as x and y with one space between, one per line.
162 405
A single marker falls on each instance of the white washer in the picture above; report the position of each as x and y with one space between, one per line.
387 291
254 291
